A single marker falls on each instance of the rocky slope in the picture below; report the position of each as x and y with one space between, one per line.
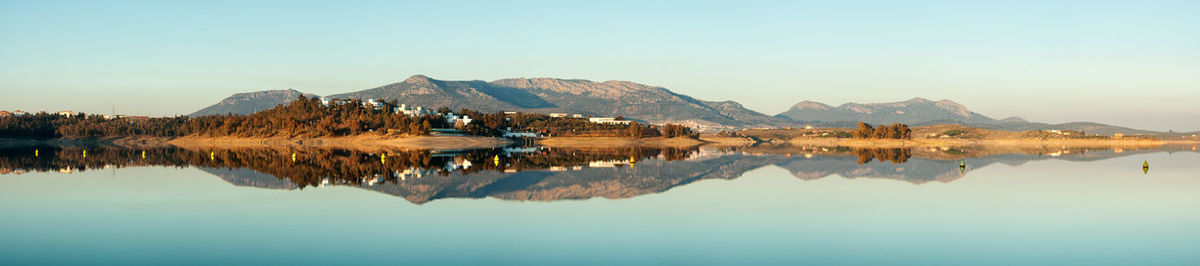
251 102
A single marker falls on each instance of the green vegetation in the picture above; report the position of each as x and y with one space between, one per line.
954 132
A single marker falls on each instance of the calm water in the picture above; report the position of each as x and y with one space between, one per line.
762 205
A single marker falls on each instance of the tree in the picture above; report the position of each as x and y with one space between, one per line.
635 129
864 130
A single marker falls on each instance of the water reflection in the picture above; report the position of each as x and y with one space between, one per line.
538 173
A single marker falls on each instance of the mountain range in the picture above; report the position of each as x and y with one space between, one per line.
912 111
651 104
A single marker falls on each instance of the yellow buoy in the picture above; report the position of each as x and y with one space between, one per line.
84 153
35 153
293 157
212 155
497 160
1145 167
383 158
143 154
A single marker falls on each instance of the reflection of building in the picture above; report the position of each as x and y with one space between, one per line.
607 164
510 134
458 163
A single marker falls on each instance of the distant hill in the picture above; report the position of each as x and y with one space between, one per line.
251 102
605 99
924 112
1087 127
912 111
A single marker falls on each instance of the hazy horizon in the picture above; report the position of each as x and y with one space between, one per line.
1128 64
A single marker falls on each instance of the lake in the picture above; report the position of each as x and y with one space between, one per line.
537 205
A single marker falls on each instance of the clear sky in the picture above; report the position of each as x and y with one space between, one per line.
1132 63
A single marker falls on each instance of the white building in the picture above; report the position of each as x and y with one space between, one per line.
453 119
67 113
609 120
412 111
558 114
372 103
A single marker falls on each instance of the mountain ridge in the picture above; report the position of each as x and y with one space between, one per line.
251 102
649 103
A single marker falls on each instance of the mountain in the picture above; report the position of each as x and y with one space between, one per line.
912 111
1087 127
251 102
606 99
923 112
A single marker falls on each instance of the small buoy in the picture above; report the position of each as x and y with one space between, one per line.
35 153
497 160
1145 167
293 157
212 155
383 158
143 154
84 153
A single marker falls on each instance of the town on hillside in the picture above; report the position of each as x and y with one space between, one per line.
330 117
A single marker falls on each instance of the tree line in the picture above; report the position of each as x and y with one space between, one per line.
894 131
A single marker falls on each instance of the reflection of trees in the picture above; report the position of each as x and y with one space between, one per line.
896 156
315 166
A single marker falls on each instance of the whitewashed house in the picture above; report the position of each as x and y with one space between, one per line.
609 120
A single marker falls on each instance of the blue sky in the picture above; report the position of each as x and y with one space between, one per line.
1133 63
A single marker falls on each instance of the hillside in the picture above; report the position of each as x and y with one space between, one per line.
912 111
924 112
250 102
606 99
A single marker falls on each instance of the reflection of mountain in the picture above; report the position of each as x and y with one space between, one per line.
534 174
249 178
646 177
917 171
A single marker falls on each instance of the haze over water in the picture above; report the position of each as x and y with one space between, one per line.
655 207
